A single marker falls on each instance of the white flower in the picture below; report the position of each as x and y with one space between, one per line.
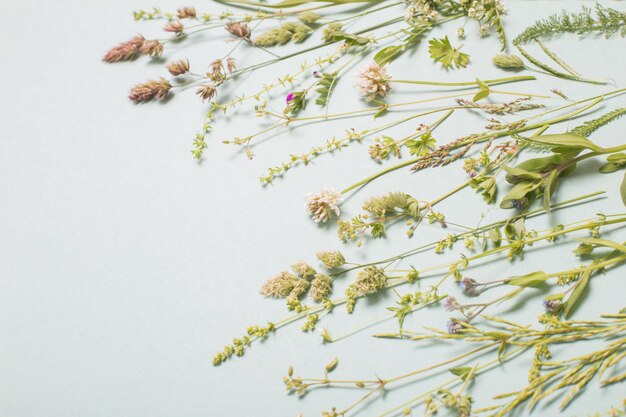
322 205
373 81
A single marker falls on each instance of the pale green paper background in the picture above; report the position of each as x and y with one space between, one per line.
125 265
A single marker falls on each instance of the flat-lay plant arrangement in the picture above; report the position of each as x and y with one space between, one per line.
516 162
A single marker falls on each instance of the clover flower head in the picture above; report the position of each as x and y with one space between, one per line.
373 81
323 205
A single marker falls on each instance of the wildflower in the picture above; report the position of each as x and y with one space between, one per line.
206 91
373 81
283 285
331 259
317 74
186 13
322 205
552 306
124 51
151 90
151 48
231 64
174 27
451 304
508 61
289 97
240 30
370 280
303 269
217 73
469 286
321 287
454 327
179 67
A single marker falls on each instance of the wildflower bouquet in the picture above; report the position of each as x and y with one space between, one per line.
528 145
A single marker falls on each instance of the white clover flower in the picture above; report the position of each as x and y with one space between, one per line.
373 81
322 205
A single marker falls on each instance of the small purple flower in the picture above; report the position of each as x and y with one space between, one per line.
454 327
552 306
289 97
451 304
317 74
469 286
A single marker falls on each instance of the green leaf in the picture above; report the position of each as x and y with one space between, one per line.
602 242
617 158
622 189
579 290
483 91
543 164
610 167
421 146
534 279
326 85
388 54
495 236
516 174
463 371
549 189
518 192
442 51
565 140
614 163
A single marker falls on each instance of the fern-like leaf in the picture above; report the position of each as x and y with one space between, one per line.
326 85
591 126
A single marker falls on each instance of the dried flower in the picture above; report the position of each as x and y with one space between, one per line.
151 90
186 12
331 259
217 73
206 91
469 286
454 327
508 61
370 280
174 27
231 64
552 306
451 304
284 285
322 205
240 30
179 67
151 48
321 287
303 269
124 51
511 107
373 81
